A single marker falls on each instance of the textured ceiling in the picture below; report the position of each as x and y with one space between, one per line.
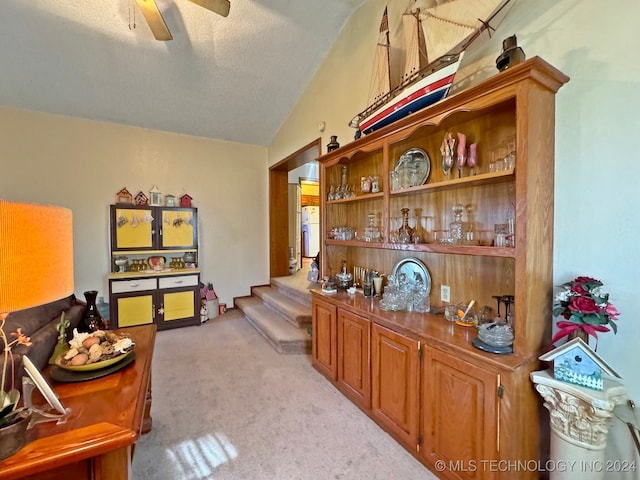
233 78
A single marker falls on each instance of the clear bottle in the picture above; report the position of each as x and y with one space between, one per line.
457 227
371 232
375 184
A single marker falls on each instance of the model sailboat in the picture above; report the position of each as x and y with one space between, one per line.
436 34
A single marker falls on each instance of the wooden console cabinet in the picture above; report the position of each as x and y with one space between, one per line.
107 417
430 388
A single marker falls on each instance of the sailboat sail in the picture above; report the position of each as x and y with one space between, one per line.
436 32
383 67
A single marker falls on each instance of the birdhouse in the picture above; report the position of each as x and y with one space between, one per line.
185 200
155 196
574 362
123 196
141 199
170 200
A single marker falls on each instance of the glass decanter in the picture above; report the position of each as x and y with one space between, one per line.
457 227
405 232
371 232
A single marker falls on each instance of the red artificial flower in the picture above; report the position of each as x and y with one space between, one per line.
583 305
584 279
577 288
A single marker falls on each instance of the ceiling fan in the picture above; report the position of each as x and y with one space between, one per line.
156 23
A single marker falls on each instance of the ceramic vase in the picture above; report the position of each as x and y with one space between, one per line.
13 437
91 320
333 144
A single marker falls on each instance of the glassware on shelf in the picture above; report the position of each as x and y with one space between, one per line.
510 156
375 184
501 231
447 151
473 157
405 232
461 156
121 262
377 285
469 226
365 184
344 278
371 232
342 233
402 294
332 193
413 178
441 237
394 181
457 227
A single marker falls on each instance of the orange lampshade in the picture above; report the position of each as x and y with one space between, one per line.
36 255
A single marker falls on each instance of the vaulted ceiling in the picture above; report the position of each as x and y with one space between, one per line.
233 78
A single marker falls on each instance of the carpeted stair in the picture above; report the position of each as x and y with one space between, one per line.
281 312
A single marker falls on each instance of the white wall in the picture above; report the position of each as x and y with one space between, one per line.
597 225
81 164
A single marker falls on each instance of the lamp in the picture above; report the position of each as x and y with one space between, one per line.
36 255
36 267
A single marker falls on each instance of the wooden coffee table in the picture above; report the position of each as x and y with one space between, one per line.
107 416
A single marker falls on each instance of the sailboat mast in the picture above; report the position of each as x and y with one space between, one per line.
388 43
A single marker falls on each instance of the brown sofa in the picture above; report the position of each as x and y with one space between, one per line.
39 323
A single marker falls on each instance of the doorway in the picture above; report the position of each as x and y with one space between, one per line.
279 225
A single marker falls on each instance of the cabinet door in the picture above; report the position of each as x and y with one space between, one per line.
394 383
354 374
134 308
324 342
179 228
131 228
178 306
459 415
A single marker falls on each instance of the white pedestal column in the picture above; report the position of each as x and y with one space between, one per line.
579 419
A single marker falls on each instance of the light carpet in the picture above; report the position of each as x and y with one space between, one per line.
227 406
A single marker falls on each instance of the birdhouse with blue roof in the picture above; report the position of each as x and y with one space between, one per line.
574 362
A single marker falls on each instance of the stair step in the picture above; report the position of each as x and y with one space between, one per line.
281 334
295 287
295 312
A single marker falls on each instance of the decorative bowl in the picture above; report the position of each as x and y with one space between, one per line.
90 366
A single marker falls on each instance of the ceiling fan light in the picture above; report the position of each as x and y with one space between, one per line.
154 19
221 7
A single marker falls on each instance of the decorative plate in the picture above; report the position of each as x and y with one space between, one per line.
414 159
59 374
156 261
413 271
90 366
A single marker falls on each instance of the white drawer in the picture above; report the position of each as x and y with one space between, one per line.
133 285
180 281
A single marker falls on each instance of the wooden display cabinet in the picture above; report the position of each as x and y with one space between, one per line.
168 297
395 380
354 376
324 341
470 404
459 418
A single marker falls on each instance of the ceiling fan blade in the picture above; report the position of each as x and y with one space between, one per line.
221 7
154 18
